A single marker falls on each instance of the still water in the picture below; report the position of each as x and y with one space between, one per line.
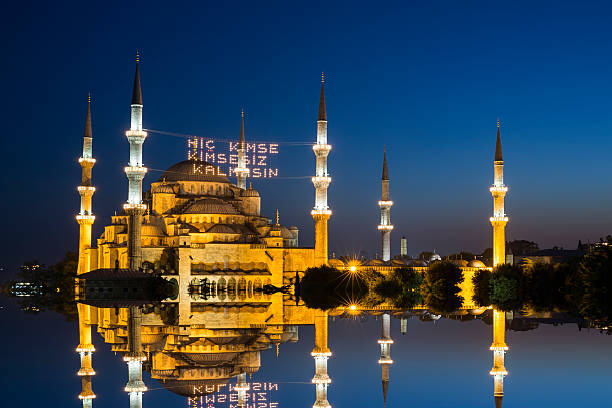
435 364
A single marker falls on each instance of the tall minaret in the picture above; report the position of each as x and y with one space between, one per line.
241 171
135 172
498 221
85 218
385 204
321 353
85 350
385 361
134 358
321 212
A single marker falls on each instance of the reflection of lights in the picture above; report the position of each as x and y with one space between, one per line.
385 227
385 203
87 160
353 307
498 189
353 268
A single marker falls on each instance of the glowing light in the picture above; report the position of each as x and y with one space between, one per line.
498 189
385 203
83 217
353 307
320 212
87 160
385 227
498 372
321 180
353 268
86 188
385 361
321 147
498 219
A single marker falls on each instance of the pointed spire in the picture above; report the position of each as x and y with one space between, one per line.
242 130
498 147
385 389
385 172
322 111
277 217
137 92
88 132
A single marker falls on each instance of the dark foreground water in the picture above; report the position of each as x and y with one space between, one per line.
441 364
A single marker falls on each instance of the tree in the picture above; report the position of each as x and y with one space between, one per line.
595 274
327 288
482 289
545 286
440 290
507 287
410 282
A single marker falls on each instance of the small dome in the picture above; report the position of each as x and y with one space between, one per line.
475 263
151 230
249 192
194 170
376 262
222 229
286 233
417 262
459 262
210 205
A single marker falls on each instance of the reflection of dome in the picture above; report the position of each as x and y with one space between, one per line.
475 263
250 192
192 170
193 388
210 205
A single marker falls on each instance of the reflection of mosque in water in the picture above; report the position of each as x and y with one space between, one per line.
197 228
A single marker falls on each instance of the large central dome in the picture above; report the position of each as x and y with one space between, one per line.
194 170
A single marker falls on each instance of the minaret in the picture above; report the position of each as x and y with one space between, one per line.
241 171
241 387
85 350
134 358
385 361
85 218
385 204
321 353
498 221
135 172
321 212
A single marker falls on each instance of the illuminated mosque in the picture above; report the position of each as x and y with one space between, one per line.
195 226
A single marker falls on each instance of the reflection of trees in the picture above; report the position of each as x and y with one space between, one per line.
327 288
440 287
52 287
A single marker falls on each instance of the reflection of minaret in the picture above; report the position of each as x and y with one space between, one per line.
241 387
499 220
86 220
135 172
85 217
385 353
321 181
134 358
241 170
321 353
385 204
85 349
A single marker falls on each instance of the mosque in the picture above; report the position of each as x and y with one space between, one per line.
195 225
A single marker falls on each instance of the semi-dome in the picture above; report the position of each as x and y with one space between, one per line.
210 205
194 170
163 189
249 192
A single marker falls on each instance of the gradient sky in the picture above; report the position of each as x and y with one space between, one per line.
426 79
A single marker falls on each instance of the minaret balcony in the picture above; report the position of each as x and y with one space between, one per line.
241 171
86 372
87 395
385 341
321 353
321 379
85 348
137 135
498 189
319 147
321 404
498 347
320 212
321 181
129 170
242 387
136 387
385 203
498 371
498 219
385 361
85 218
132 206
385 227
87 160
86 189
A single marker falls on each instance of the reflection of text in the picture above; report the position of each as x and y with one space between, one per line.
257 155
226 396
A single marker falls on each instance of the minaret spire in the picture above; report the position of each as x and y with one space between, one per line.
137 91
321 212
385 205
241 170
498 221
